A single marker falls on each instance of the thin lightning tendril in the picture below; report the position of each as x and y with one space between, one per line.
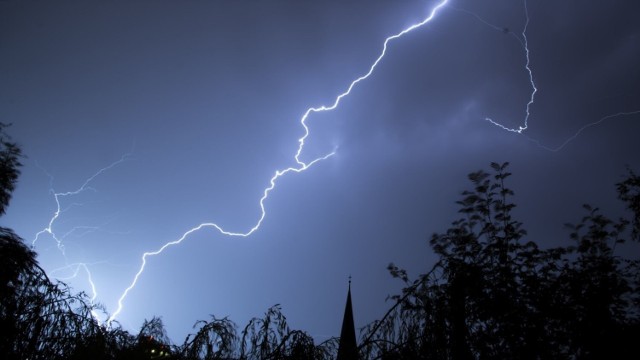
59 239
577 133
56 196
77 267
302 166
525 44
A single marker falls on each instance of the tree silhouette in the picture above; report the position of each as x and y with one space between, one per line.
270 338
10 155
493 295
39 319
629 192
215 339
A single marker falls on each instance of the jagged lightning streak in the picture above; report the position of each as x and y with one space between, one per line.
577 133
57 196
74 271
523 41
77 267
525 45
301 165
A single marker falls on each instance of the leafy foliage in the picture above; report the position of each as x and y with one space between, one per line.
216 339
10 155
493 295
629 192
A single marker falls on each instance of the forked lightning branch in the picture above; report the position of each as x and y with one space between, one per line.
300 165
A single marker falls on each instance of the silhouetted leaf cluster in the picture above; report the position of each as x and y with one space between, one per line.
10 155
491 294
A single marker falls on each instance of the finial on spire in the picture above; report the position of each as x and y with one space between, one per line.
348 346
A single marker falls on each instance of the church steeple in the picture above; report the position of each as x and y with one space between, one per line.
348 347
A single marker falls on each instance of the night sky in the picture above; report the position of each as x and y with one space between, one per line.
202 101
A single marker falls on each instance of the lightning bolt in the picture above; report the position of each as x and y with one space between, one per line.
585 127
525 45
299 164
59 239
76 270
59 210
300 167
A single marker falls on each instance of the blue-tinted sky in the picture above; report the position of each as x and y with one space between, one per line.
206 97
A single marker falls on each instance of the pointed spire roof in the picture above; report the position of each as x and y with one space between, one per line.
348 347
